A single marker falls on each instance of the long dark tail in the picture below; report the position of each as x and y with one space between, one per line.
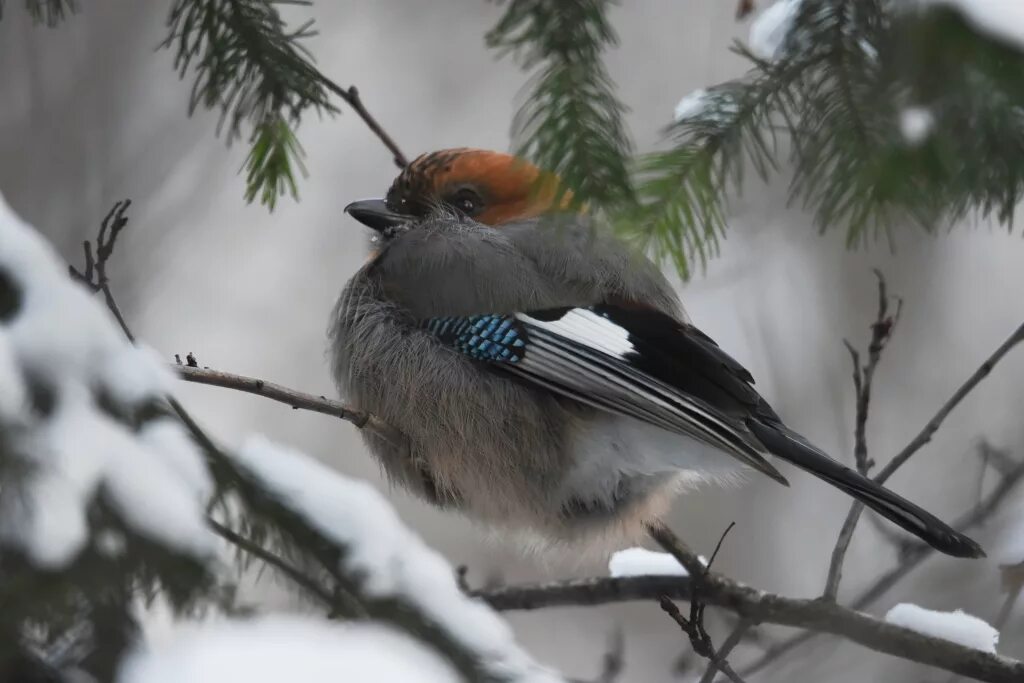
926 526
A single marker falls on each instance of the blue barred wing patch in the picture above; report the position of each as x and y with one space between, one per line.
490 337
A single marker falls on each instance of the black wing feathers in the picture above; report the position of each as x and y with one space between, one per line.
686 358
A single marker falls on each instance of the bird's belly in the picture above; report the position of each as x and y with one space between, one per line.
613 453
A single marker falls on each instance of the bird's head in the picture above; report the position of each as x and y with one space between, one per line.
489 187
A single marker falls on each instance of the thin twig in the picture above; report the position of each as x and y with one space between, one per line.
933 425
1007 608
298 400
716 661
863 376
95 274
352 99
852 517
693 627
674 546
723 652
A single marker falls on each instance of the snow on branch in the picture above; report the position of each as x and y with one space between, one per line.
73 402
643 562
956 626
388 563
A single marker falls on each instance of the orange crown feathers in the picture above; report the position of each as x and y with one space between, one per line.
511 188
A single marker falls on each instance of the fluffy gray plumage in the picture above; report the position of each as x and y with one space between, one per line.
499 449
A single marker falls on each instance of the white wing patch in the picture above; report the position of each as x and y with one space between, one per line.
587 328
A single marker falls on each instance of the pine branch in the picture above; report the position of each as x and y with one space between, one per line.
571 120
682 190
256 72
847 74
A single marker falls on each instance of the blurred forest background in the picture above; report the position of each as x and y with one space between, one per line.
91 112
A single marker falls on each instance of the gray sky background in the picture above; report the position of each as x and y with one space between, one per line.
90 113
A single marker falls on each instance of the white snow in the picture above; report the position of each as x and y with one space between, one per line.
691 105
643 562
12 386
392 560
166 437
134 374
1002 19
769 30
288 648
956 626
916 124
61 339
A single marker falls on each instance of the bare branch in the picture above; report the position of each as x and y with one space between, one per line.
95 275
727 646
699 638
863 376
846 533
352 99
674 546
933 425
693 627
296 399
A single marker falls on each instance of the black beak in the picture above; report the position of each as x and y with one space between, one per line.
374 213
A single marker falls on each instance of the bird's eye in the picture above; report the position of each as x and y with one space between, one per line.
466 200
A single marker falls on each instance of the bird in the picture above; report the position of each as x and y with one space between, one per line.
541 374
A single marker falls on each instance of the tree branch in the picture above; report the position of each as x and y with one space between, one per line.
298 400
758 606
846 533
933 425
352 99
95 275
863 375
727 646
693 627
